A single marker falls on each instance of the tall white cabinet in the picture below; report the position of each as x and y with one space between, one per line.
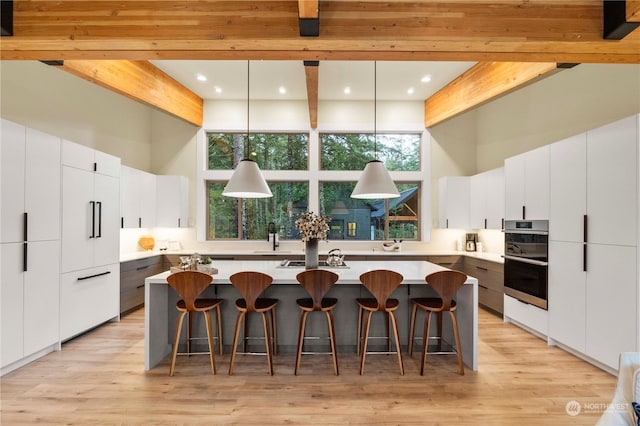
486 192
172 201
453 205
527 185
593 277
89 293
137 198
29 244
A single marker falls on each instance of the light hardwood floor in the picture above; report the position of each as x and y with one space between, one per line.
99 379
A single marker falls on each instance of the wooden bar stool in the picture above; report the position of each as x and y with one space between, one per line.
317 282
189 285
251 285
446 284
381 283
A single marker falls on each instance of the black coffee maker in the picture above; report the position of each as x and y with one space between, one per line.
470 245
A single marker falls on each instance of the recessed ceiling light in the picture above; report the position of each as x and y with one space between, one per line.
201 77
347 90
410 90
426 78
218 89
282 90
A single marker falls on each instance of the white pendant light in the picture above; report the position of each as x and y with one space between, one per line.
247 180
375 182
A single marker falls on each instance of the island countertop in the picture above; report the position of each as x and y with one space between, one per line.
160 300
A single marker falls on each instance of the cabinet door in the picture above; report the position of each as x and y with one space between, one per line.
495 198
107 164
478 200
612 302
514 187
78 232
129 209
78 156
568 189
12 177
536 183
107 241
11 303
41 296
567 294
147 199
454 202
42 186
172 201
612 186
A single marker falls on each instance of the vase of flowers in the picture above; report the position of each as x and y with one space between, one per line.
312 227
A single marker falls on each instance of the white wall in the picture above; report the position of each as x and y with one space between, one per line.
55 102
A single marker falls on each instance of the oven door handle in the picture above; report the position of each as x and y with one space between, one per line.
525 260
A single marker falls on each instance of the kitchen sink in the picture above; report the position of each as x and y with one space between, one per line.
300 264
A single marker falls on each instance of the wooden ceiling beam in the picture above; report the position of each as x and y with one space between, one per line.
311 69
309 18
479 84
479 30
633 10
142 82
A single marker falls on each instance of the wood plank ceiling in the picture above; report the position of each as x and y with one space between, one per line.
550 31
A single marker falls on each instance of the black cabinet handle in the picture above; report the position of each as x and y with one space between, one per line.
585 221
447 223
178 222
481 268
502 223
93 219
584 257
139 222
524 210
485 223
482 286
140 268
140 286
95 167
25 254
99 203
25 236
122 222
88 277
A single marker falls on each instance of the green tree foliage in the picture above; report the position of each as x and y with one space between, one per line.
352 151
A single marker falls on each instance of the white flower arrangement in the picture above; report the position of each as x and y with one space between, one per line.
313 226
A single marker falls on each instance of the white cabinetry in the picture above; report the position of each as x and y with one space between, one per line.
30 249
90 284
486 192
137 198
527 185
593 232
172 201
453 203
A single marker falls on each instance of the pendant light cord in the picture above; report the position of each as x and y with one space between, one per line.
375 112
248 148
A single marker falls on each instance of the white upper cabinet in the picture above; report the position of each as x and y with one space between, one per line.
137 198
527 185
568 189
486 207
30 184
85 158
172 201
612 183
453 202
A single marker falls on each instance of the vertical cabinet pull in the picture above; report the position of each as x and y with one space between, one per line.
178 222
139 222
447 224
99 203
524 211
25 236
485 223
585 220
93 219
25 254
122 222
584 257
502 223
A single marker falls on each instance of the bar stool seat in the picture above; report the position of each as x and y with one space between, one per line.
317 282
189 285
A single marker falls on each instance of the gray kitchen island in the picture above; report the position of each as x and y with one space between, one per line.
160 312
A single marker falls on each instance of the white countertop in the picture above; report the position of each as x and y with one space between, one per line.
492 257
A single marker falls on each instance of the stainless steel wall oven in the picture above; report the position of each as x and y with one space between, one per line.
526 260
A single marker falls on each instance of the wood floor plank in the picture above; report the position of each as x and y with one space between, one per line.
99 378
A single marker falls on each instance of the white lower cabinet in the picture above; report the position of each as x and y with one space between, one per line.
529 316
88 298
29 308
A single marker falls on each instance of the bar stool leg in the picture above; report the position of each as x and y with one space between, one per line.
212 353
411 328
359 342
246 333
363 351
189 330
219 324
175 342
388 332
267 344
398 348
275 331
235 341
440 318
458 347
303 321
332 337
425 341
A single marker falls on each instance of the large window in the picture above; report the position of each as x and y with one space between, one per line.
352 151
353 219
278 151
330 163
248 219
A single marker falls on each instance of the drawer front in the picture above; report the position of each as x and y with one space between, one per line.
491 299
489 274
88 298
454 262
133 265
528 315
131 299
